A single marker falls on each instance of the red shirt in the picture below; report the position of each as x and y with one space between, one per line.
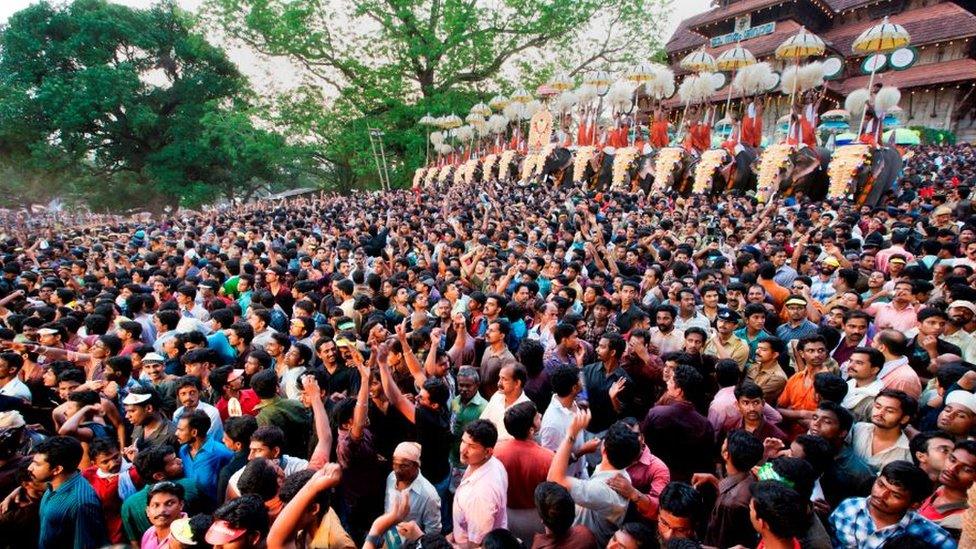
107 490
527 465
248 400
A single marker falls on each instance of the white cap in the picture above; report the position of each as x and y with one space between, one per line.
136 398
964 304
962 398
153 357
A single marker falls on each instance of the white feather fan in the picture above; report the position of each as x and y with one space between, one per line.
436 138
888 97
497 123
855 102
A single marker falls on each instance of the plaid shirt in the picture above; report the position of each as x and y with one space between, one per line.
854 528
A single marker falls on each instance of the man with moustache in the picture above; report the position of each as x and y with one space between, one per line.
165 506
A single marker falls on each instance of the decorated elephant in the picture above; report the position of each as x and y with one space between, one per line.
673 170
788 170
863 171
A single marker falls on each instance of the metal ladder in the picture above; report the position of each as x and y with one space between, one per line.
379 155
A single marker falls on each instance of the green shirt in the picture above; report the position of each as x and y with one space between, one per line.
292 418
134 518
461 415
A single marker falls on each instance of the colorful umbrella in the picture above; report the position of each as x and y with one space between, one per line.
698 61
734 59
903 136
801 45
521 95
880 38
562 82
498 102
883 37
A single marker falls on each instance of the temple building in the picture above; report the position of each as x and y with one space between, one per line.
936 73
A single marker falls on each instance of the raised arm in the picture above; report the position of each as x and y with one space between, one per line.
362 397
320 454
560 462
413 364
72 426
394 395
284 527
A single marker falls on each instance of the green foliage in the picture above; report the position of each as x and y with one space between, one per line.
127 107
934 136
386 63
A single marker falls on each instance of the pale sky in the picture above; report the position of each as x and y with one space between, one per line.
282 73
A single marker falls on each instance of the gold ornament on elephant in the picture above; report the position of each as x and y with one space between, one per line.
540 130
844 165
664 165
710 162
773 162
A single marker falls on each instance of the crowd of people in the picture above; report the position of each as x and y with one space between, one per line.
497 367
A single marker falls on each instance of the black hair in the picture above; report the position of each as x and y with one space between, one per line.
259 477
152 460
920 442
748 389
555 507
816 451
830 386
500 538
781 508
682 500
295 481
246 512
844 418
170 488
270 435
265 384
908 403
908 477
563 378
727 372
622 445
482 432
689 381
240 428
519 419
745 450
197 420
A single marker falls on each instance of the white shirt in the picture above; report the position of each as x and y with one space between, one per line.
17 389
555 425
289 382
862 437
480 502
495 413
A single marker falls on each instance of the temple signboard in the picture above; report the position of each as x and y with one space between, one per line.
739 36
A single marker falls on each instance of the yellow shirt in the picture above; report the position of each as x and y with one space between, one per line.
737 349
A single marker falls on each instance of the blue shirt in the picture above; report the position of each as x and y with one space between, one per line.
218 342
204 468
743 333
854 528
788 333
71 516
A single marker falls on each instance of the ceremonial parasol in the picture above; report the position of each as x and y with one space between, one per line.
698 61
521 95
498 102
881 38
562 82
799 46
903 136
450 121
733 60
481 109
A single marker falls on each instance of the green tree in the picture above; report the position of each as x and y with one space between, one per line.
386 63
122 104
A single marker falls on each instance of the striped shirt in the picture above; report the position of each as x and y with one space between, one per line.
71 516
